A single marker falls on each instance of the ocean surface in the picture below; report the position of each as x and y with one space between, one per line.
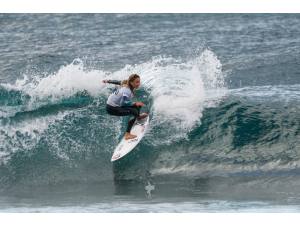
223 92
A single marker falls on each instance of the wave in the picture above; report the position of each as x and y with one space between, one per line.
54 127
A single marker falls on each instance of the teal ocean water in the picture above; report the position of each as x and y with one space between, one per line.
223 92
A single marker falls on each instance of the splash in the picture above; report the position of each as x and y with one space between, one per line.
175 90
66 82
179 91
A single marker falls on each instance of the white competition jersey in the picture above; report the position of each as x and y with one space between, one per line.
118 97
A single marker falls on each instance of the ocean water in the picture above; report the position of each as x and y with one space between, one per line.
223 92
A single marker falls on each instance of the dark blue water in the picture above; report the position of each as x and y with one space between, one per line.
223 91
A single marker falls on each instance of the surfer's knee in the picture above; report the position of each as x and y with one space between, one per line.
135 112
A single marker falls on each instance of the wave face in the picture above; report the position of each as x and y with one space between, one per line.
54 129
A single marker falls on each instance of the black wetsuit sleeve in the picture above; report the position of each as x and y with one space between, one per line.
117 82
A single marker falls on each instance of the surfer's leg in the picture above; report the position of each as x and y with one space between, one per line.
130 124
128 135
135 111
119 111
125 111
140 115
132 110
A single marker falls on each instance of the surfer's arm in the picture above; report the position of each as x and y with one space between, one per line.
116 82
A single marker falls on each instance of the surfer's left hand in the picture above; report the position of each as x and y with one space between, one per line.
139 104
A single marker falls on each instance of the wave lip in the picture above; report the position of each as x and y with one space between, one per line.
178 91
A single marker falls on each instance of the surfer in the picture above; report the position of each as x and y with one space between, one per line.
119 102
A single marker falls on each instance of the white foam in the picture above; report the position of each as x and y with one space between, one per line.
178 89
66 82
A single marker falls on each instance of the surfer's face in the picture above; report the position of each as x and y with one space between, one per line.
136 83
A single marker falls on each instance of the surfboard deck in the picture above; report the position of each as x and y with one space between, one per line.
125 146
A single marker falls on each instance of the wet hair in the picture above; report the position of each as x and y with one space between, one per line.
131 78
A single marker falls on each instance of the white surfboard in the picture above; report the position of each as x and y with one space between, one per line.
125 146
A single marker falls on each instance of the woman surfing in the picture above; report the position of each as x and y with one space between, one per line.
119 103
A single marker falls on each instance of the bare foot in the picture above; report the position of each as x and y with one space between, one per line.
129 136
142 116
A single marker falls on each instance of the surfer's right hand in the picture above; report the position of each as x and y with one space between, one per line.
104 81
139 104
